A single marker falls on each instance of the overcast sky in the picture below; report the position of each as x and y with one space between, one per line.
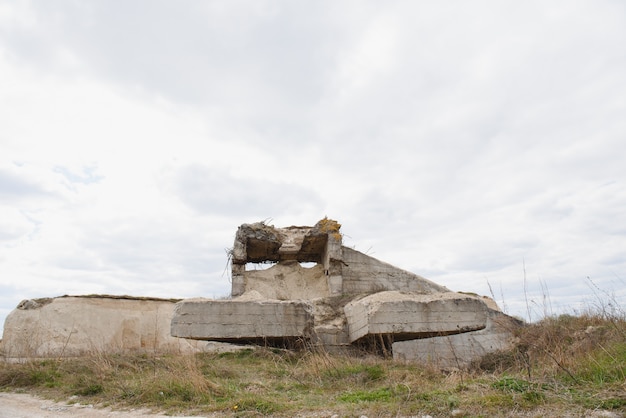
472 142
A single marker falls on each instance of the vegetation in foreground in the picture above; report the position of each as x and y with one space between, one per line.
566 365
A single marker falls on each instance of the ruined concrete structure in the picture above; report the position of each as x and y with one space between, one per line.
316 293
345 300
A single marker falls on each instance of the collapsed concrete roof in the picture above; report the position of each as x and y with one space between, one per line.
346 299
259 242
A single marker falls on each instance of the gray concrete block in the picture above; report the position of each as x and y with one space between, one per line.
204 319
413 314
460 350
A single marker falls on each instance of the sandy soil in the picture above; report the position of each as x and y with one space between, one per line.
17 405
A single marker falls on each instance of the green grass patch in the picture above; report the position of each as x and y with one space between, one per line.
356 372
603 365
238 354
382 394
531 393
260 405
90 390
511 384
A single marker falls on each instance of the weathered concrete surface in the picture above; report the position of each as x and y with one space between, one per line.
331 327
363 274
288 280
460 350
241 319
260 242
74 325
408 315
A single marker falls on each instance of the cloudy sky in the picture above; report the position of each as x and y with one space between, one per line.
476 143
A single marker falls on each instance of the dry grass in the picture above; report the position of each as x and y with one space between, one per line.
561 365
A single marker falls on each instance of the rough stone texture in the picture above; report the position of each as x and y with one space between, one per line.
460 350
240 319
407 316
73 326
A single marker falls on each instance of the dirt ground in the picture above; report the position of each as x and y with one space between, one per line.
17 405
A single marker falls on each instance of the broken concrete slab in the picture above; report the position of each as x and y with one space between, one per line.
260 242
242 320
409 316
460 350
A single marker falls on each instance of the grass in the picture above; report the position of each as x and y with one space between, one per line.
560 365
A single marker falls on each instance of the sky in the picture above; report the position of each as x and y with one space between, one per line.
480 144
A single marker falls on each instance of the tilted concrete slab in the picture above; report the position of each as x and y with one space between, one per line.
460 350
241 319
408 315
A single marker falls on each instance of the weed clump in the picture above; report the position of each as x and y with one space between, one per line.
329 226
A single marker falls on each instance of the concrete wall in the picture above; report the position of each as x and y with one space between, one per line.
73 326
365 274
288 280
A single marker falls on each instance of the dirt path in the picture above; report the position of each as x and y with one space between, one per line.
17 405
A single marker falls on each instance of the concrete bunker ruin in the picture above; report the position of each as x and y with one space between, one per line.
346 300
